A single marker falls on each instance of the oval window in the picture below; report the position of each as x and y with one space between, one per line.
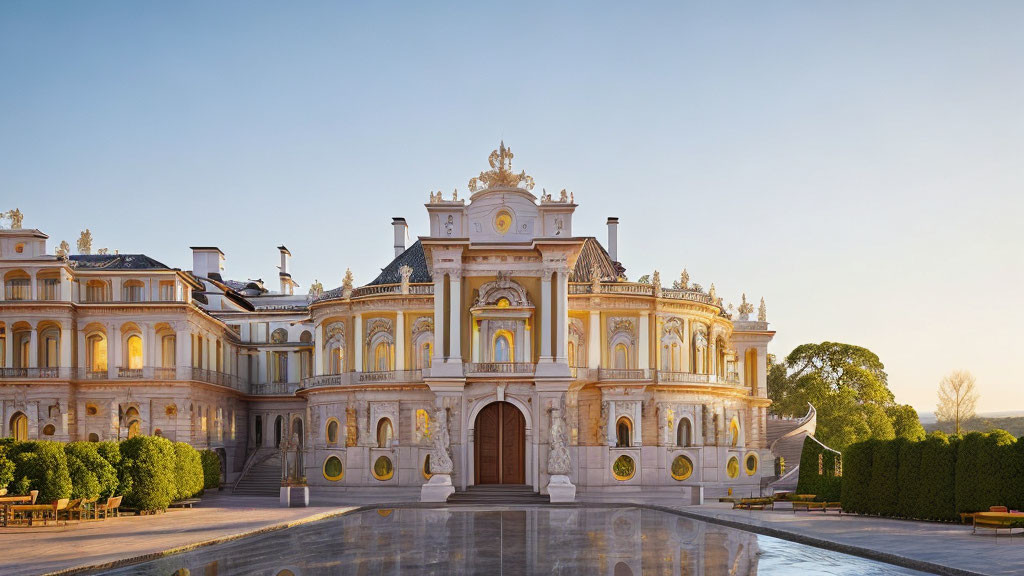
383 469
733 467
333 469
750 464
502 222
426 467
682 467
623 468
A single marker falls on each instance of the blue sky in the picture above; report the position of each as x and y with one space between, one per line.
857 164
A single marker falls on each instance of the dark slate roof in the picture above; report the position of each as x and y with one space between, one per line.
116 262
592 253
238 286
412 257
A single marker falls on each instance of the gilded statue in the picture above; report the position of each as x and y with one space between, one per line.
762 312
745 308
684 281
16 217
316 289
85 242
500 175
63 250
346 283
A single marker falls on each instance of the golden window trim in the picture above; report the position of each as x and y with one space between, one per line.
341 467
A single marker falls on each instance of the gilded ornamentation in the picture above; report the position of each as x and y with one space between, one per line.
440 453
85 242
503 287
16 217
316 289
502 222
684 281
621 325
762 312
423 324
745 308
103 251
500 175
63 250
376 326
346 283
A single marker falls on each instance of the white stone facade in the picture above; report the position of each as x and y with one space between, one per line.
500 303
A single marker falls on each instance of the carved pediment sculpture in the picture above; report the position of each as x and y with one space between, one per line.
500 175
503 287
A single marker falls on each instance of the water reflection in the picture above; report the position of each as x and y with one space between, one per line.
613 541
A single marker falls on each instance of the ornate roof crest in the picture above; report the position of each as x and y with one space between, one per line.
500 175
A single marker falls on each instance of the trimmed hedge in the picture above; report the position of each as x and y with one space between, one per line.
149 461
188 471
934 479
41 465
211 469
92 476
827 485
6 465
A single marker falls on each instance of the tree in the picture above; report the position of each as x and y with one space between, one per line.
848 387
905 422
957 398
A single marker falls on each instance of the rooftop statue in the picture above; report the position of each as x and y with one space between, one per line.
762 312
500 175
745 308
63 250
85 242
16 217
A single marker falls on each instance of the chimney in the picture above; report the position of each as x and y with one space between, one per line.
286 278
613 238
400 227
207 261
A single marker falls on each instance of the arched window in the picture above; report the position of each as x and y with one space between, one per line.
167 351
337 356
19 427
382 357
502 347
94 437
621 357
623 432
750 370
384 433
332 431
306 337
132 291
135 352
96 345
279 336
18 285
683 433
49 348
219 363
96 291
734 432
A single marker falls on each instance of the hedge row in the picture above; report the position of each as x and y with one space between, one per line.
149 471
936 478
822 478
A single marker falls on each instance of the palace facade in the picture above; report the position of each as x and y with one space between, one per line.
501 346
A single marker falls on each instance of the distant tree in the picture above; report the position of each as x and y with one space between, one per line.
848 387
957 398
905 422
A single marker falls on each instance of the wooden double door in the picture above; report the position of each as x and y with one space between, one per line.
500 445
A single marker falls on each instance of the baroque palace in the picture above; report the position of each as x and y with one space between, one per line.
498 349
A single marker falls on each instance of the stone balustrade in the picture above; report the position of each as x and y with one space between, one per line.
485 368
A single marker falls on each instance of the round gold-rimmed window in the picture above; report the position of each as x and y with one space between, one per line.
682 467
385 512
333 470
504 302
426 467
733 467
383 469
623 468
750 464
502 221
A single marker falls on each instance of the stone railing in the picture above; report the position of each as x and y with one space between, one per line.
135 373
577 373
88 374
218 378
273 389
521 368
388 376
621 374
633 288
41 373
666 376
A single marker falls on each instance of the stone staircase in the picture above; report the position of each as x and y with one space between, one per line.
262 478
786 439
498 494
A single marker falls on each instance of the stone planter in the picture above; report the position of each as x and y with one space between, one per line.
294 496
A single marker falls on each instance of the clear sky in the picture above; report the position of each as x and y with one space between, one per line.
858 164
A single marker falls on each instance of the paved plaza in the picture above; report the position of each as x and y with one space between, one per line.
55 549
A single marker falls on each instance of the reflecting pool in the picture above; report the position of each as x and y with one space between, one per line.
612 541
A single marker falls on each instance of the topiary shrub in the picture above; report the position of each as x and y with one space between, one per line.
856 485
91 475
111 452
909 480
936 494
211 469
815 458
45 466
6 465
148 462
884 489
188 471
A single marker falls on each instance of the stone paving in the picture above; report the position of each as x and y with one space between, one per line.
50 549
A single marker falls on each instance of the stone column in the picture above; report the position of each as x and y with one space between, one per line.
400 341
293 366
318 351
594 341
643 355
114 351
183 353
685 367
33 348
438 318
65 348
455 330
33 289
150 355
357 334
80 420
562 318
9 344
545 317
65 286
114 425
476 353
610 429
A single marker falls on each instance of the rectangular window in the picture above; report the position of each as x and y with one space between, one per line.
167 291
95 293
19 289
279 363
305 364
50 289
132 293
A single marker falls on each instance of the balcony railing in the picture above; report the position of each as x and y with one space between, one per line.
218 378
692 378
621 374
273 389
41 373
135 373
518 368
637 289
578 373
389 376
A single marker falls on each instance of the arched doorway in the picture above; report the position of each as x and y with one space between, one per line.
19 427
499 438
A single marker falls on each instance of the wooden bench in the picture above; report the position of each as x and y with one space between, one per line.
187 503
754 504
